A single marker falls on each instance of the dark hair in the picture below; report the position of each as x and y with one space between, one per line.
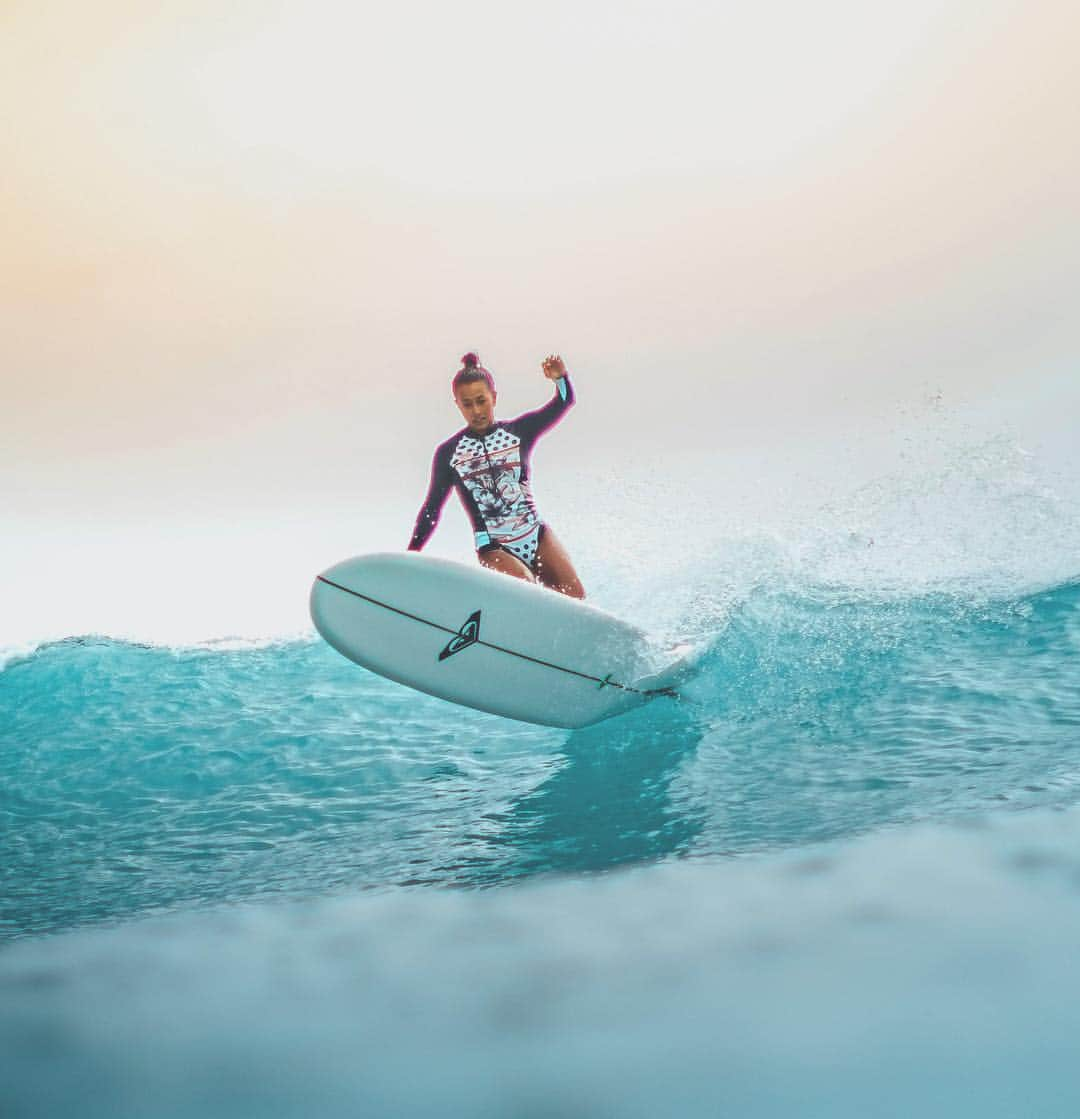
471 370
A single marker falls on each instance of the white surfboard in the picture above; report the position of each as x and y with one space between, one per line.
486 640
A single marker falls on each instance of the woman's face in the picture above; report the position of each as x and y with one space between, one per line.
476 402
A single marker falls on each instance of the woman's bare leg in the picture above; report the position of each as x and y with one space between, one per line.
553 566
498 559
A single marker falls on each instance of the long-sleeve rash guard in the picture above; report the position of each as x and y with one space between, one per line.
491 475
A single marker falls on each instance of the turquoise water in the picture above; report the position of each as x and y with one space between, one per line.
140 779
839 878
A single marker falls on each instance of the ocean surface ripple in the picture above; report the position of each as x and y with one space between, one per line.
140 779
838 878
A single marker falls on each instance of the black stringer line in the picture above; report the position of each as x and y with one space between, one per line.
498 648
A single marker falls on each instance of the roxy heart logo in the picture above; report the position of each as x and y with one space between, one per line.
468 635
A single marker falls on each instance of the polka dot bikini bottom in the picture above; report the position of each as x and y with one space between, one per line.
524 546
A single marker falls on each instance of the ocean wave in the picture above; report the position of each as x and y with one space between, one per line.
232 643
196 775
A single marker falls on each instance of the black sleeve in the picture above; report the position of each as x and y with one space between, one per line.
438 491
533 424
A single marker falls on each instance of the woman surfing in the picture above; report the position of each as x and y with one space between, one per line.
487 462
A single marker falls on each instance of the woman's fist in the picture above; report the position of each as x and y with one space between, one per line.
554 367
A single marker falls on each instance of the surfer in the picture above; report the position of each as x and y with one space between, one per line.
487 462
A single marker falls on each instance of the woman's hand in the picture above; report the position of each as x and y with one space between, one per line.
554 367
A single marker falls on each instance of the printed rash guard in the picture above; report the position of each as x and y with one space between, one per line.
491 475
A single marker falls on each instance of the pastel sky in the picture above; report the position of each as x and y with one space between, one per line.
244 244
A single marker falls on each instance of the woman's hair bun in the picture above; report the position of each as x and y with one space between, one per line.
470 360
